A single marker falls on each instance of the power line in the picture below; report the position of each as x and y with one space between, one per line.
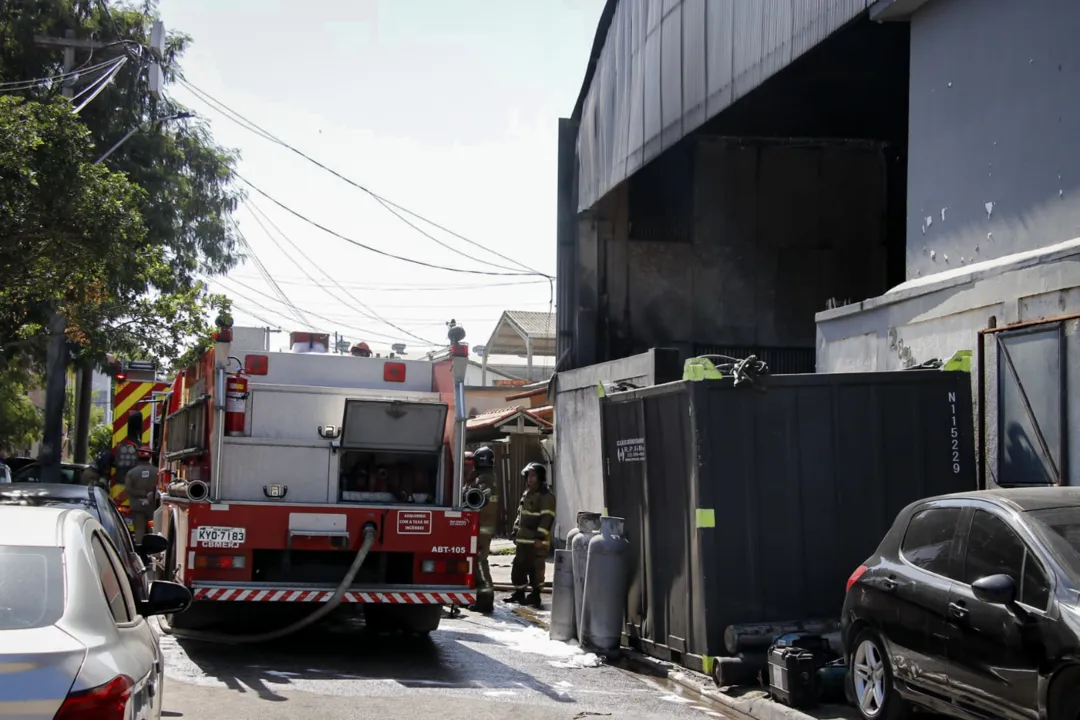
102 84
324 318
369 248
341 317
266 276
295 280
257 317
17 85
389 205
253 208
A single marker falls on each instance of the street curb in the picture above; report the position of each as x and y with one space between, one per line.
758 708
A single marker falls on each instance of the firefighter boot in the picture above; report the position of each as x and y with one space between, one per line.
518 597
485 603
534 600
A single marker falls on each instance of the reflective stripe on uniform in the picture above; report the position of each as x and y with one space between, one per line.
487 530
545 531
546 512
527 513
526 541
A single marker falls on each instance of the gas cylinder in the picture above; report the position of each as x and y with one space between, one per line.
236 390
601 623
588 525
562 598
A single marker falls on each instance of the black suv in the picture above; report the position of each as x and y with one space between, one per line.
971 607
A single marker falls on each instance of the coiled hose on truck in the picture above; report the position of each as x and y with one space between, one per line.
333 602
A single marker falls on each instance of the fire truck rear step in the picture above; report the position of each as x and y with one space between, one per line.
393 596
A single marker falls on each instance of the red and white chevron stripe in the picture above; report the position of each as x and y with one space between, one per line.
272 595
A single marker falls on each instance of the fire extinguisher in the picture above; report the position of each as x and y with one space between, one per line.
236 392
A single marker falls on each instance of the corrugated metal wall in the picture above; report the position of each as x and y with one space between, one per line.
667 66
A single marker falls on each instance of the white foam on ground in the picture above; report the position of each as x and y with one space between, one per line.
577 662
531 639
534 640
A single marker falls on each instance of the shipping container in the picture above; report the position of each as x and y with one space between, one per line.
754 504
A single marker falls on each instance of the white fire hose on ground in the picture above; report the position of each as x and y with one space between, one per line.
339 594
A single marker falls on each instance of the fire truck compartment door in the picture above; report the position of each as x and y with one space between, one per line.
393 425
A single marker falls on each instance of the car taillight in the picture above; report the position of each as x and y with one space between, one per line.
855 577
219 562
104 702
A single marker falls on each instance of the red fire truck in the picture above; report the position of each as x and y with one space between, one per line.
283 471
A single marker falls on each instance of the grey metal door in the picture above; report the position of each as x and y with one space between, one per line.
1032 412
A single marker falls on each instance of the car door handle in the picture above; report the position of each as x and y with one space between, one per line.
958 611
889 584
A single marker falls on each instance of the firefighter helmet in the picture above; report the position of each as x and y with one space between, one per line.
535 467
145 453
484 457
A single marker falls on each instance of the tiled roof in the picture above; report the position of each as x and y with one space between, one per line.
534 324
492 418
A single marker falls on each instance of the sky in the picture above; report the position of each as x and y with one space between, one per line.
447 108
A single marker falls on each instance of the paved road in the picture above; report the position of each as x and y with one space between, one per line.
474 667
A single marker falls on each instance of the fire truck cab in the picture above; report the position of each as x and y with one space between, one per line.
274 465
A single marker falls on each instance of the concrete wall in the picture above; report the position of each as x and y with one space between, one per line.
934 317
776 229
993 195
578 442
993 134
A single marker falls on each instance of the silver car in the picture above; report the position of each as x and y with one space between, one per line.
74 643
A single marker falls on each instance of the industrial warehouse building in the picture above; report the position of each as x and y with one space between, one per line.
836 185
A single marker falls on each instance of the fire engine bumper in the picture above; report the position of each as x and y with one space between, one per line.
394 596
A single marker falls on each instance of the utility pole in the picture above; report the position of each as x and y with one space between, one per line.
56 360
56 355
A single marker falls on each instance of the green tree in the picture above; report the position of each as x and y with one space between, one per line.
141 294
65 225
101 437
20 420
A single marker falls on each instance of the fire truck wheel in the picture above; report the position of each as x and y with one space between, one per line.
421 620
417 620
194 618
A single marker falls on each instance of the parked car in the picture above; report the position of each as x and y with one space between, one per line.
5 474
74 642
71 473
17 462
970 607
96 501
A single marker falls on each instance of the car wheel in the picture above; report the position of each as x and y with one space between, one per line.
1067 704
872 680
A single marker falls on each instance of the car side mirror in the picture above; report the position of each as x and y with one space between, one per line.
165 598
995 589
153 544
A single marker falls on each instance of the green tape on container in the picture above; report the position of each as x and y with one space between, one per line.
706 518
707 662
605 512
600 390
959 362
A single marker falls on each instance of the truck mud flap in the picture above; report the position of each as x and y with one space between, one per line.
391 596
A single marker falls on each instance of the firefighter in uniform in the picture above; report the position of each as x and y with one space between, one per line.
98 471
141 485
483 478
532 536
